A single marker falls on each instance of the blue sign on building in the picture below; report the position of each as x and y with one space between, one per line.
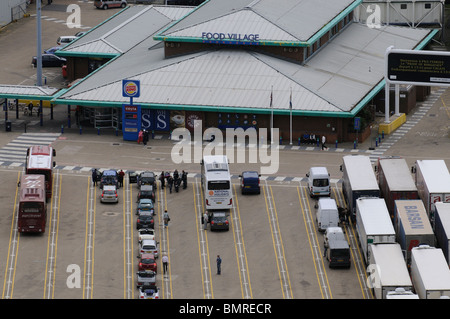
158 120
131 121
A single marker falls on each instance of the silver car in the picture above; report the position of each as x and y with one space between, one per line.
146 277
109 194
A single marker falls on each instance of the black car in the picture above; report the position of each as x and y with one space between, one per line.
132 177
145 220
146 191
147 178
49 60
219 221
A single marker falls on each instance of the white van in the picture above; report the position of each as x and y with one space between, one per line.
327 213
318 181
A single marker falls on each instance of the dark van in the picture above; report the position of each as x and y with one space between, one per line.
337 248
250 182
109 177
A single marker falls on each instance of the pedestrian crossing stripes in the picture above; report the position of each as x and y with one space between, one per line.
14 152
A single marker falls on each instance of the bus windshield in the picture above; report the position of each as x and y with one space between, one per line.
218 185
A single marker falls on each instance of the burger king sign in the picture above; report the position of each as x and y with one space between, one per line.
130 88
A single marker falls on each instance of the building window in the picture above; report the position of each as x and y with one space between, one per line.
427 5
403 6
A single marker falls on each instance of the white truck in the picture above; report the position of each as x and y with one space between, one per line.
411 225
318 181
442 227
388 270
327 213
358 180
373 223
430 273
433 183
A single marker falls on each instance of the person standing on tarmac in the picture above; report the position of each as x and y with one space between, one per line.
166 218
184 179
170 183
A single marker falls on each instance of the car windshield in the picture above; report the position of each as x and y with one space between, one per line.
145 216
147 274
322 182
148 261
148 247
251 175
109 192
146 206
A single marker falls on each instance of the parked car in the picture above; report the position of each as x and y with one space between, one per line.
146 233
106 4
145 277
146 191
219 220
132 177
147 262
109 194
148 291
145 220
147 178
250 182
145 205
149 246
65 39
49 60
52 50
109 177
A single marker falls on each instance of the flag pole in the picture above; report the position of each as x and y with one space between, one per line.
290 111
271 116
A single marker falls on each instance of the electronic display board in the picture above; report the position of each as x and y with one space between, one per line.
418 67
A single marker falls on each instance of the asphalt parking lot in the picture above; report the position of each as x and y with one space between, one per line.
271 251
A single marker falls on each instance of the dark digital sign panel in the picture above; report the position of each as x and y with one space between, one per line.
418 67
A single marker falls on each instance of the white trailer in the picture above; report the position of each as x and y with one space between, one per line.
373 223
430 273
358 180
433 183
441 212
389 270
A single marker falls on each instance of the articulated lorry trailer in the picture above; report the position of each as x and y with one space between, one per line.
395 181
358 180
430 273
373 223
433 183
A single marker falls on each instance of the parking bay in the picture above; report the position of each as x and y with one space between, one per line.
269 251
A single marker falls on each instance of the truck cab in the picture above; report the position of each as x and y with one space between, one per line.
318 181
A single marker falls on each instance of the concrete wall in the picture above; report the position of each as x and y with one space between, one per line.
11 10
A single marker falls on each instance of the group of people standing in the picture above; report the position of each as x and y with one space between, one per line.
176 181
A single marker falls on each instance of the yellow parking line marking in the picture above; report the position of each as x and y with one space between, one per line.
13 233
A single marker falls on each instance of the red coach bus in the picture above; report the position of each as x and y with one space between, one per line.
32 216
40 161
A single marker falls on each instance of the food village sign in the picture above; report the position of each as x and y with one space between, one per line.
230 38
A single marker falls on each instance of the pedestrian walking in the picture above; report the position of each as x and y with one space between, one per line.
219 264
166 218
162 180
324 139
175 174
145 138
165 261
121 176
170 183
205 220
